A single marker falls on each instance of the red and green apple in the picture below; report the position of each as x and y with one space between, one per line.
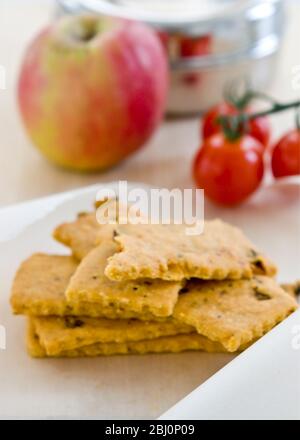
93 90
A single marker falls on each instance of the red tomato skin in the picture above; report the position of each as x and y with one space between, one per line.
259 128
229 172
210 125
286 155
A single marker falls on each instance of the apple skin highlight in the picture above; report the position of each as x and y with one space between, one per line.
87 105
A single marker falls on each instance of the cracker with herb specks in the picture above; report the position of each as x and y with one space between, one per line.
70 333
234 313
39 290
167 252
89 283
83 234
168 344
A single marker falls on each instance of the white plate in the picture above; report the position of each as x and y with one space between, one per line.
122 386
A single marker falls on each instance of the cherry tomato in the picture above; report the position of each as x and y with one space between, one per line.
229 171
258 128
286 155
191 47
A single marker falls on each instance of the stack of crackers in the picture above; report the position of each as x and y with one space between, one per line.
147 289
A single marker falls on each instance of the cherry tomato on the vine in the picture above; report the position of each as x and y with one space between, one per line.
259 128
286 155
229 171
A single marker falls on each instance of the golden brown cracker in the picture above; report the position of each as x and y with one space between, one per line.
57 335
33 345
141 296
168 344
39 290
167 252
83 234
89 229
234 313
40 283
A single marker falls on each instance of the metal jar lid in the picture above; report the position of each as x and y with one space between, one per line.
188 16
241 24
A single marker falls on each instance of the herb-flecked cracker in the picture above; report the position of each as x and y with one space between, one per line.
86 232
83 234
89 283
168 344
39 290
167 252
69 333
234 313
